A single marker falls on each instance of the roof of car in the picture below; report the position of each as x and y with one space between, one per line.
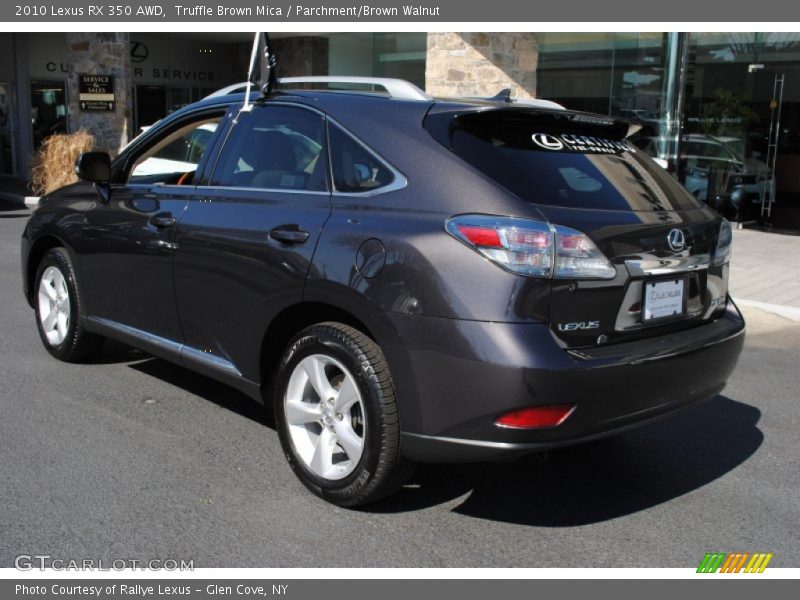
365 112
334 101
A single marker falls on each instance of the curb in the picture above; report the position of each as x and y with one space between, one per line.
22 201
788 312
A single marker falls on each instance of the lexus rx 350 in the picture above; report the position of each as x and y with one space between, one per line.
402 278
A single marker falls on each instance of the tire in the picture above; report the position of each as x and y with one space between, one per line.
360 405
59 312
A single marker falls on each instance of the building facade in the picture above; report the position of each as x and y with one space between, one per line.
722 108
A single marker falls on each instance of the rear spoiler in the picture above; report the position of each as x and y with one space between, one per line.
444 118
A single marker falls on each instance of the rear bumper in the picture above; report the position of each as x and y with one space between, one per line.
467 373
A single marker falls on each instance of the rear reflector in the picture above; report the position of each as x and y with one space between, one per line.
535 417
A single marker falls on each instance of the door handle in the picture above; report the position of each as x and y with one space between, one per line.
289 234
163 221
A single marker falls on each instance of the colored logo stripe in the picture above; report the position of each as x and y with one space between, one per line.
758 563
711 562
734 562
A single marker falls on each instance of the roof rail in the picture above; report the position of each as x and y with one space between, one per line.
398 89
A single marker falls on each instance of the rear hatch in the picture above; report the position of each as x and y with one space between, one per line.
579 171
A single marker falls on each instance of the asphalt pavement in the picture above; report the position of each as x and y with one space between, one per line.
132 457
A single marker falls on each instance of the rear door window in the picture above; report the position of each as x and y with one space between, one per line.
547 166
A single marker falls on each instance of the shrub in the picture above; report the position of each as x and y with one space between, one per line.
54 165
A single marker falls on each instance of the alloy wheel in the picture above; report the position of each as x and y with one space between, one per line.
54 305
325 416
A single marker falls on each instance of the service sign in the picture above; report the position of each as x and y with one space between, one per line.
96 92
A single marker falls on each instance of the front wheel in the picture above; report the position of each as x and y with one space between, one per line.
59 309
337 418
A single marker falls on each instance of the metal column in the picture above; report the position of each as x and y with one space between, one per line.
23 105
776 104
669 138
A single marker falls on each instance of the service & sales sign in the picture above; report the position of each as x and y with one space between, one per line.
96 92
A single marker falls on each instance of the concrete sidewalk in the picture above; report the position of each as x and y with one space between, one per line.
764 271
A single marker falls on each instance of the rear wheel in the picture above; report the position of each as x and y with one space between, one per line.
337 417
59 310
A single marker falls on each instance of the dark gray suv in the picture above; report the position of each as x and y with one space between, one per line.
402 278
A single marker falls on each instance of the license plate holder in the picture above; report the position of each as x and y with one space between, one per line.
663 299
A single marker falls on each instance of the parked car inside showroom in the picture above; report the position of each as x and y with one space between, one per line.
401 278
744 178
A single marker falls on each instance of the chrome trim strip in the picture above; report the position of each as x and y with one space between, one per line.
211 361
466 442
148 338
181 351
667 266
222 188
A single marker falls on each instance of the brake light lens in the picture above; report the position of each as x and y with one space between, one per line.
535 417
532 248
722 254
578 257
518 245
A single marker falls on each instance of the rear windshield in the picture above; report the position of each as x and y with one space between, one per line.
548 166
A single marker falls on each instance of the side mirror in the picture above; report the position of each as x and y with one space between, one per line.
94 167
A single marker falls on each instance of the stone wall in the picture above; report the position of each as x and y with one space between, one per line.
481 64
101 54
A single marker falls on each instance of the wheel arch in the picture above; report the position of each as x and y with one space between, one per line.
290 321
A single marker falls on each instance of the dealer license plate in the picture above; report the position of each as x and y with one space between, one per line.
662 299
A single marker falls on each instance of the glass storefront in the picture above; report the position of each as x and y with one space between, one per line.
739 134
608 73
8 161
741 141
48 109
154 102
399 55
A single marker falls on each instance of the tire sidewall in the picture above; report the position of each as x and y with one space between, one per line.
321 342
59 259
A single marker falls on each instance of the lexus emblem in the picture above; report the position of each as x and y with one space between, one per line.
139 52
676 240
547 141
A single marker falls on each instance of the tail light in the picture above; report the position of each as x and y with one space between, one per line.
722 254
535 417
533 248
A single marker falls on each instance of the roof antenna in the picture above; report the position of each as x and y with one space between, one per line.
267 69
503 96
